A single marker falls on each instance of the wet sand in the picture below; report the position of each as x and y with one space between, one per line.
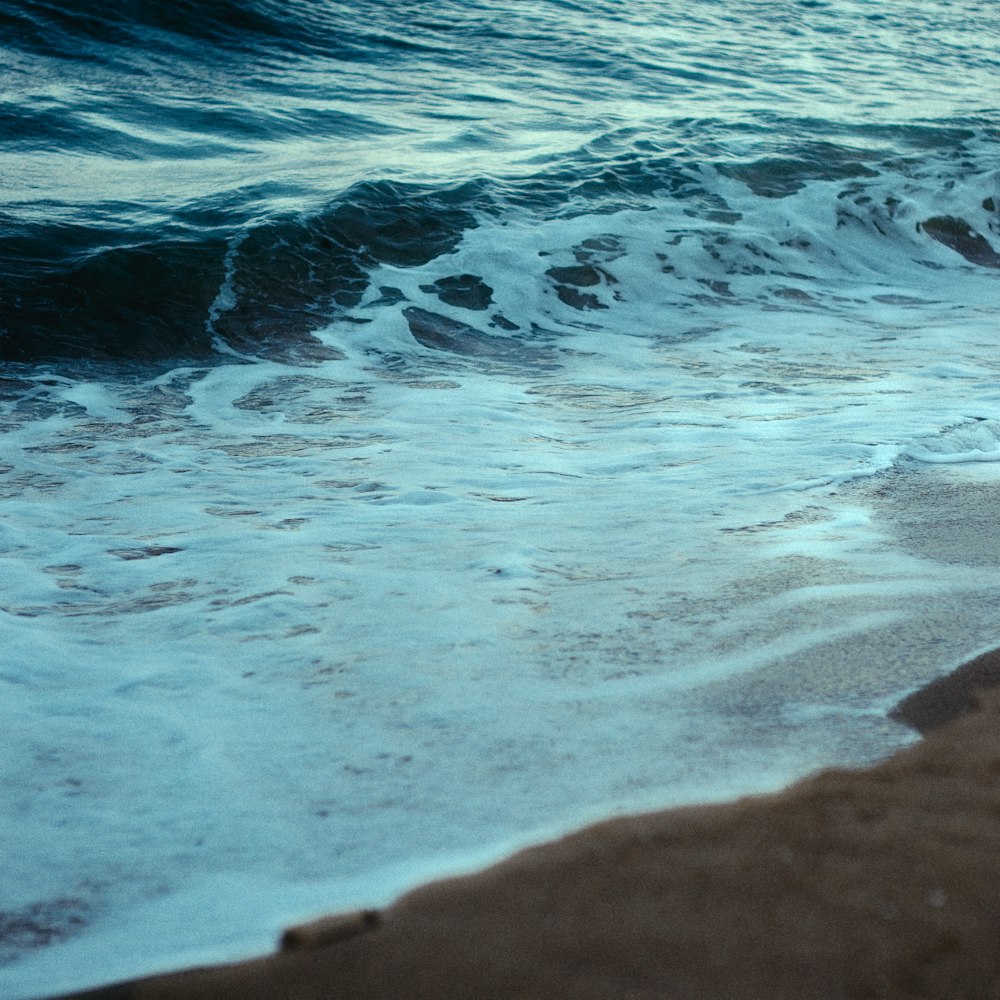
881 882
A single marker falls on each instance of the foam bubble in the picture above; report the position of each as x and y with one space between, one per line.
976 441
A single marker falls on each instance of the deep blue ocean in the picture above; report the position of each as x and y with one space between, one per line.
185 178
425 426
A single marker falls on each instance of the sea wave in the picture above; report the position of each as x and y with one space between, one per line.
240 273
976 440
65 292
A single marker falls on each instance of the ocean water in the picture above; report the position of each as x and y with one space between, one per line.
425 427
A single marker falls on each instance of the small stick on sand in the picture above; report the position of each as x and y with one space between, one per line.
329 930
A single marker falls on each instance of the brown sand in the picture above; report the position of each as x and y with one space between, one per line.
883 882
950 696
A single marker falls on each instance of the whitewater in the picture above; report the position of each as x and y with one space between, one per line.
427 428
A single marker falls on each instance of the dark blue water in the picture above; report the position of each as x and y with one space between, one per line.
157 155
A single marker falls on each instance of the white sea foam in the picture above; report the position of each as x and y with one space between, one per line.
976 441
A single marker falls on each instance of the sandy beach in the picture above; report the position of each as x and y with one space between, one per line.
879 882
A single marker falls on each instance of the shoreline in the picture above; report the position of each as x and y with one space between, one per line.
882 881
947 698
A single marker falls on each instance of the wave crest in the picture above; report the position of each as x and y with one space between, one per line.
976 441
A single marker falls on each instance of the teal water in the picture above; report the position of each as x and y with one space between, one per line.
425 427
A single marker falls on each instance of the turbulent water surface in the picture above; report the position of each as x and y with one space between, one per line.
429 425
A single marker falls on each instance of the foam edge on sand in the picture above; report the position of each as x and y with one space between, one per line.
879 882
